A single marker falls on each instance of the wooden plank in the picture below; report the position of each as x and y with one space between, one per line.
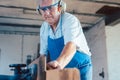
65 74
36 61
54 74
41 65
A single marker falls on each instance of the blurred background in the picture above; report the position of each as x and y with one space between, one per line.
100 20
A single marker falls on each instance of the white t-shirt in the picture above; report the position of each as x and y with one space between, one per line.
71 30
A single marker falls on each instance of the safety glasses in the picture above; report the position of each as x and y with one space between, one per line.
47 7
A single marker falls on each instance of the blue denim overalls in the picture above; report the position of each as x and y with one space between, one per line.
80 60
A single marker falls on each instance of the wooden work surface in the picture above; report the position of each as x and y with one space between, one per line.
55 74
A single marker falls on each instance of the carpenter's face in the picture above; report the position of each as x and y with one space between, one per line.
49 11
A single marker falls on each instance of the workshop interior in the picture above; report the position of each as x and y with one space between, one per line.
20 38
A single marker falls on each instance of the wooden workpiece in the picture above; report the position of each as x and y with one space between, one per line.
54 74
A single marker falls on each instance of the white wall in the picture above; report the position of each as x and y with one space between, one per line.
113 51
97 43
30 46
10 51
12 47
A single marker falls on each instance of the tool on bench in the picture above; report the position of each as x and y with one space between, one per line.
30 73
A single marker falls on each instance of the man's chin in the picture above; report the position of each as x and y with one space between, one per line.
50 22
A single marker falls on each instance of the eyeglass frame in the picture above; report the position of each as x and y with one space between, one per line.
46 7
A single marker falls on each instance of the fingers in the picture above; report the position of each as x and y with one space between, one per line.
53 65
49 67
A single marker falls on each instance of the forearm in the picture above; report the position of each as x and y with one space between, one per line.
67 54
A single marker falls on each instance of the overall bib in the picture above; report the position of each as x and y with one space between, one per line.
80 60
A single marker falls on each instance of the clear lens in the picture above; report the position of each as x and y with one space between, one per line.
47 7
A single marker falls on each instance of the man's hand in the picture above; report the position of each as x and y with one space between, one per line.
53 65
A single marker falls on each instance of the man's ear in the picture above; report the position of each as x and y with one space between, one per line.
59 8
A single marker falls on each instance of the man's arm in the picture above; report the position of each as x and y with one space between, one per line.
65 56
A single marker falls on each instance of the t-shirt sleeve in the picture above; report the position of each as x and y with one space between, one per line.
43 40
72 30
